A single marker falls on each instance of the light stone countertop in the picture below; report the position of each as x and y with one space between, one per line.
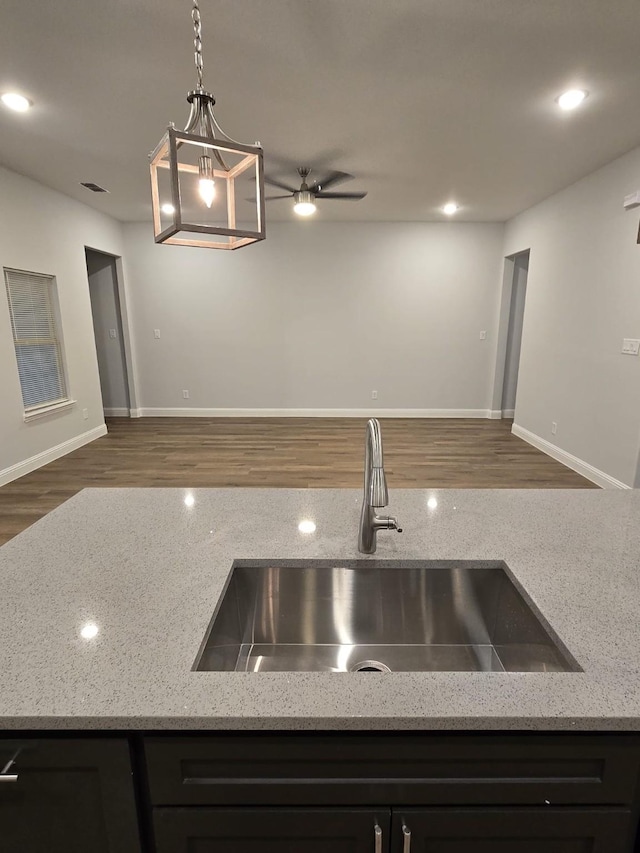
148 571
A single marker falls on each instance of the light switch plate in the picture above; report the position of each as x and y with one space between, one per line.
631 346
112 333
156 333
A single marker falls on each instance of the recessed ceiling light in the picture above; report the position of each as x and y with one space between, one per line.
307 526
571 99
450 208
89 631
16 102
168 209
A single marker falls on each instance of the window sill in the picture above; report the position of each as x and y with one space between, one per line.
43 411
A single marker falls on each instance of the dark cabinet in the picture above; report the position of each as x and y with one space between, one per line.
484 793
319 793
511 830
67 796
207 830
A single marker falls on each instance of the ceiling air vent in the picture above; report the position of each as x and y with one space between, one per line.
93 187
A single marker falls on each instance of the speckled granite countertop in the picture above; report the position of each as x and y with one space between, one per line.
148 570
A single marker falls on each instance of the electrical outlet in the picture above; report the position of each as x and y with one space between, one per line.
554 428
374 395
85 414
156 333
112 333
483 336
631 346
185 394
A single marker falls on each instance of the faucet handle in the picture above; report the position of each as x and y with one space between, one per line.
392 524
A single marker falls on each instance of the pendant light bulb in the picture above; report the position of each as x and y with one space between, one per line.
206 185
207 190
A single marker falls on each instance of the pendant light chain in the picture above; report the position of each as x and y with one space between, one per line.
197 40
197 119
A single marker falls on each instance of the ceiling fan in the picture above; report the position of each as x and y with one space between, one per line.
305 196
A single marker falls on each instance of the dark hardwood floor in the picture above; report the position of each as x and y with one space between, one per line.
284 453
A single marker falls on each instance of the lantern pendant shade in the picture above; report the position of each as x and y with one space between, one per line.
199 188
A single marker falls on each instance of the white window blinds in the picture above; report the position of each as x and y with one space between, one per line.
36 338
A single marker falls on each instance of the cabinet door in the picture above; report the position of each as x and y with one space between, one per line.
510 830
207 830
67 796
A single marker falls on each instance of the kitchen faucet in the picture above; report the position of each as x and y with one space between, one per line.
376 493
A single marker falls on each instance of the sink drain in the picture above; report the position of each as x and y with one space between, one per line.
370 666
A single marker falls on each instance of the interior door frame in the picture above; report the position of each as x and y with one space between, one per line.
503 331
127 337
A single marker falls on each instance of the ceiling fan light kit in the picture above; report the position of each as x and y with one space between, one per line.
195 175
304 203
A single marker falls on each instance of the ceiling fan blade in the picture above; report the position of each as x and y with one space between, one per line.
329 181
268 197
273 183
347 196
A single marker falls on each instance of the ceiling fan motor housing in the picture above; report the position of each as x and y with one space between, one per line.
304 197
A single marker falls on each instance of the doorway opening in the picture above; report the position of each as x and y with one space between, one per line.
520 263
108 330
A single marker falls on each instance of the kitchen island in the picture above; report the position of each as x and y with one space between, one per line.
112 740
147 569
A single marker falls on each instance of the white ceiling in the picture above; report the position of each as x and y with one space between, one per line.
422 100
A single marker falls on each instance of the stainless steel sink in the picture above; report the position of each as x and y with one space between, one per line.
367 616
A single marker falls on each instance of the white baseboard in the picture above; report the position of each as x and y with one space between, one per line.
507 413
40 459
116 413
596 476
135 413
495 414
313 413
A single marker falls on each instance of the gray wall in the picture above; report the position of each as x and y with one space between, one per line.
317 317
105 309
583 298
44 231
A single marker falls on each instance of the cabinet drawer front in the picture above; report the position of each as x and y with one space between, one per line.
512 831
352 769
69 795
207 830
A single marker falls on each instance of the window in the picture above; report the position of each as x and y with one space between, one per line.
33 309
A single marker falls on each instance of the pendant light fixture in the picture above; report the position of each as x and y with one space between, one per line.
197 174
